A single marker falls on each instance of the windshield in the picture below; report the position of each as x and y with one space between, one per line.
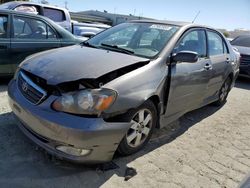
241 41
141 39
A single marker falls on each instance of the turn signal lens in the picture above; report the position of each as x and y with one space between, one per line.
104 103
73 151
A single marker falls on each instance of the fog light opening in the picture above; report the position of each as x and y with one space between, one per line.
73 151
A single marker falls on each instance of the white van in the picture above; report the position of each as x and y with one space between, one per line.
59 15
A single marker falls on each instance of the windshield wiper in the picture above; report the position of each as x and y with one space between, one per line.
118 48
85 43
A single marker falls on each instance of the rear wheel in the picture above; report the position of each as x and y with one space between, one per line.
143 121
224 91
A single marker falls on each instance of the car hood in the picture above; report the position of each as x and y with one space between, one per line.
243 50
75 63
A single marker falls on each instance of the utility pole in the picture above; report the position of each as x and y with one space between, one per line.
66 4
134 12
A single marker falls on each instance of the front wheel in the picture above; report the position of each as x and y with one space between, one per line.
224 91
143 120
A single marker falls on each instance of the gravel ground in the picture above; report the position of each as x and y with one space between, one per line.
209 147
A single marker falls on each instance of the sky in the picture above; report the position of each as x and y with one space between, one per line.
226 14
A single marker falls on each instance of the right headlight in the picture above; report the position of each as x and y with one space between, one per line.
86 102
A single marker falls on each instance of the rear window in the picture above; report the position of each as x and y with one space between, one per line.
215 44
54 14
241 41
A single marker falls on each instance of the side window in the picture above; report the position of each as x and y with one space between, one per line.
193 41
3 26
51 33
54 14
215 44
27 28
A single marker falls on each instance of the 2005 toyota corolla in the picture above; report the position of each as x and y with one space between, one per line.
85 102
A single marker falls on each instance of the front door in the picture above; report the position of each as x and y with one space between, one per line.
189 80
5 63
31 35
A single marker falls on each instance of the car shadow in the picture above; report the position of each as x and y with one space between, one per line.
243 83
22 161
4 83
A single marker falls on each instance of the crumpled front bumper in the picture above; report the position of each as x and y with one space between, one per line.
49 129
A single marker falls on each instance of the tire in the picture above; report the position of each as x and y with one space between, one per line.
144 120
224 91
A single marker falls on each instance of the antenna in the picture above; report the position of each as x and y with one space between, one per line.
196 16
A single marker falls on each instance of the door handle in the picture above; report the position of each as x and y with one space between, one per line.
3 47
229 60
208 67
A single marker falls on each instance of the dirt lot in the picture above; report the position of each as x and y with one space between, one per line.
209 147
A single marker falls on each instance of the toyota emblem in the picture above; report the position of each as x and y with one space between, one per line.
25 87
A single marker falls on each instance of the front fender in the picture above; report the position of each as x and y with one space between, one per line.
138 86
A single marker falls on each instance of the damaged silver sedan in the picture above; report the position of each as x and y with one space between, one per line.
84 103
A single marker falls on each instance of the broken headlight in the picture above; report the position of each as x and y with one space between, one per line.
86 102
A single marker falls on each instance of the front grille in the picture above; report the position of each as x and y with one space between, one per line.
245 60
31 91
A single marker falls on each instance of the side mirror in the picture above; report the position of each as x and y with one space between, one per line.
88 34
186 56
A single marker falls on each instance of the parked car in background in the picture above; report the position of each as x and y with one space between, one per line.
88 29
84 103
242 44
23 34
59 15
230 39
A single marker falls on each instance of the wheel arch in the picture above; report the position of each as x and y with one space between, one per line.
231 76
156 100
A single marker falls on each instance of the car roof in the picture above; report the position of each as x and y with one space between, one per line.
99 25
13 4
176 23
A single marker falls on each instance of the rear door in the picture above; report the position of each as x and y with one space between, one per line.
5 63
219 56
31 35
189 80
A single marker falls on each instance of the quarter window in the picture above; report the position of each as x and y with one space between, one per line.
3 26
26 28
193 41
216 44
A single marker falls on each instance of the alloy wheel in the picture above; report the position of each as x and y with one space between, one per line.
140 129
